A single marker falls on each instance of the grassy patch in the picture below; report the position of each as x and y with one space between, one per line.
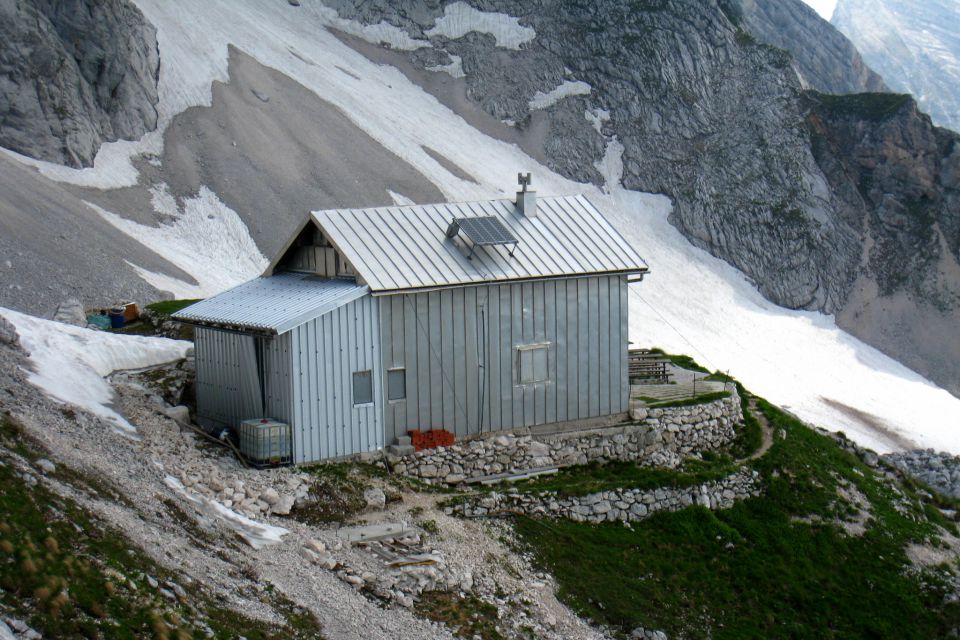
713 396
170 307
750 433
755 570
682 361
468 617
594 477
70 575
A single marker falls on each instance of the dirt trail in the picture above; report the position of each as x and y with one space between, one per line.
765 428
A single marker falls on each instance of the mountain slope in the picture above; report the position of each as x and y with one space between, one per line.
715 118
448 129
914 45
832 66
75 74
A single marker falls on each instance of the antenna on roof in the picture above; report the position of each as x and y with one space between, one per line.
526 200
524 181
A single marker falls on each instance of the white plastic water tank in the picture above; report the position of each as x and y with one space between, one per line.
266 442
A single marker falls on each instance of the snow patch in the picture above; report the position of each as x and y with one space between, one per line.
565 89
459 19
70 362
399 199
256 534
206 238
454 67
597 117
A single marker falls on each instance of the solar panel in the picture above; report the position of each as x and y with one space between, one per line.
486 230
482 231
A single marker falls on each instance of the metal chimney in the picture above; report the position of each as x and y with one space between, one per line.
526 200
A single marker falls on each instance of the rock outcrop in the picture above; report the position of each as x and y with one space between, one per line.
73 75
832 65
914 45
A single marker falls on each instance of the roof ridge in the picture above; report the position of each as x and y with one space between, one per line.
447 203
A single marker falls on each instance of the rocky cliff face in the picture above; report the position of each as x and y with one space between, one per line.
914 44
74 74
823 57
888 165
793 191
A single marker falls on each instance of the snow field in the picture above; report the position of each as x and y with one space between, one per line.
70 362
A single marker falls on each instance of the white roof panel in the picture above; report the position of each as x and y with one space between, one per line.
406 247
274 304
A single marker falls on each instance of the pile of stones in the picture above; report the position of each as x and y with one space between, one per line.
938 470
254 495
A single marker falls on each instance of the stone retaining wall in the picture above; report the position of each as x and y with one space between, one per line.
663 438
625 505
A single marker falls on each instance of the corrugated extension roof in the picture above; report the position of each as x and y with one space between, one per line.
274 304
405 247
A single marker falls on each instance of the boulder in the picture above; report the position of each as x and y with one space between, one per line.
284 505
71 311
8 333
179 413
375 498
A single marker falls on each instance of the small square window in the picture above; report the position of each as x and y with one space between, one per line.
362 387
533 363
397 384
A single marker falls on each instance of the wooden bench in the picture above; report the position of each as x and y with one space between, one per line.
646 367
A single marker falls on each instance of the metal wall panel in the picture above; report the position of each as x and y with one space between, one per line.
241 376
458 348
325 354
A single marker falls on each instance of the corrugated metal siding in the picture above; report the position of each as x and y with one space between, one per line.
325 353
240 376
396 248
274 304
458 349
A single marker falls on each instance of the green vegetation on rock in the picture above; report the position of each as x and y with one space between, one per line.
869 106
804 560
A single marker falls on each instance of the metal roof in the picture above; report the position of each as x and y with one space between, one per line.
275 304
406 247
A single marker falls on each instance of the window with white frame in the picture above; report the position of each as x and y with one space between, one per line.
533 363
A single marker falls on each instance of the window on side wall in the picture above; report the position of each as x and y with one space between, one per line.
397 384
533 363
362 387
